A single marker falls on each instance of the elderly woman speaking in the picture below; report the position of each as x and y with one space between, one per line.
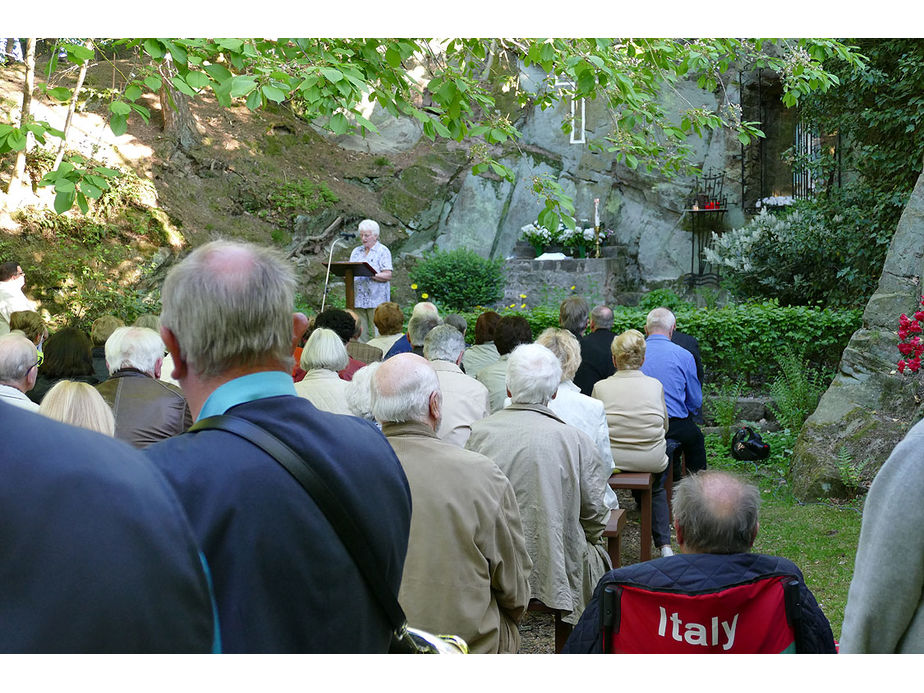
371 291
637 420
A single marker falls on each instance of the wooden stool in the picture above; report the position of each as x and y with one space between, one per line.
643 483
562 629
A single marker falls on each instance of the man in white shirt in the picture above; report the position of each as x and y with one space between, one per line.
12 279
18 370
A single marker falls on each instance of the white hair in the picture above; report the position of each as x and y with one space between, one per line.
533 374
419 326
401 389
17 356
369 225
324 349
359 391
443 343
133 347
660 320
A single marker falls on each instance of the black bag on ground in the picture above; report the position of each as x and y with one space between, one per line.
748 445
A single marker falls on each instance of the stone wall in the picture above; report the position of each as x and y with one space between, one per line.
869 406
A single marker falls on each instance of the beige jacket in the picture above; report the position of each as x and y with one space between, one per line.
467 568
494 377
325 390
465 401
637 419
557 478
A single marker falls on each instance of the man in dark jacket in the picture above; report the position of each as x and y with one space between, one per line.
715 517
146 409
596 357
97 553
284 582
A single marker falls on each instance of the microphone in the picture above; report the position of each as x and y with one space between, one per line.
347 234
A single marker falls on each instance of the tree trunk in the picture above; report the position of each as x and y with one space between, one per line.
179 124
18 187
73 106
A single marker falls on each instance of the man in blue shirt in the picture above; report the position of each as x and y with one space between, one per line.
675 368
284 582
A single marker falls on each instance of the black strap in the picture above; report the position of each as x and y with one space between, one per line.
342 523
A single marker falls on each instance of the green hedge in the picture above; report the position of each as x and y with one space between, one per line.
740 341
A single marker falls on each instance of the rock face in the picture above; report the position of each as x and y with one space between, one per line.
869 406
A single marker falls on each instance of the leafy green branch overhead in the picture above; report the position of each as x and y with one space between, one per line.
328 81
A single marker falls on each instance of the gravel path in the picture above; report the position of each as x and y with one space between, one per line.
537 631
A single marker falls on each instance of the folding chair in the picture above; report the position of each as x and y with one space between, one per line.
750 618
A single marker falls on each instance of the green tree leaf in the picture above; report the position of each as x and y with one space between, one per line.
120 108
63 202
273 93
118 124
153 83
241 85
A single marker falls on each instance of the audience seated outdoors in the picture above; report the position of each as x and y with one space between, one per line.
465 400
100 331
582 412
343 324
78 404
323 356
467 565
284 581
357 348
388 320
510 332
18 370
714 594
596 358
424 317
637 420
556 475
483 352
675 368
68 356
146 409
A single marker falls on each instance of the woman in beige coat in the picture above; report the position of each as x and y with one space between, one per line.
324 355
637 419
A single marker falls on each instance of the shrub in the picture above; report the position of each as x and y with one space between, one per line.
459 279
658 298
795 391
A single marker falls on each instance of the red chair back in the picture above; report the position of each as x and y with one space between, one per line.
750 618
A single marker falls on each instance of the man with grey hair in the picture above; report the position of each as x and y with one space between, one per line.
467 565
675 368
465 400
424 317
556 474
572 315
716 520
371 291
146 409
18 370
596 359
284 581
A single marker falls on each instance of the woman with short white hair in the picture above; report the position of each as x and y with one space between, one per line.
369 292
324 354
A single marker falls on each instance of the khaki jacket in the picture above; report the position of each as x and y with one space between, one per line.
465 401
467 567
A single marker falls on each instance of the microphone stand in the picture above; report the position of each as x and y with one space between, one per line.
337 241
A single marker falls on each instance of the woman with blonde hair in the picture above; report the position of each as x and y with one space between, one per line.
78 404
637 419
323 355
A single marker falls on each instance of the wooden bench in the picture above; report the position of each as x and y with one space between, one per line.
641 482
613 535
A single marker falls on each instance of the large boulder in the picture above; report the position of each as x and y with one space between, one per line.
869 406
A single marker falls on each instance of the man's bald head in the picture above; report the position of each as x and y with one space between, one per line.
715 512
405 388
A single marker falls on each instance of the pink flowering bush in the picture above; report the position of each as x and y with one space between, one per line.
910 345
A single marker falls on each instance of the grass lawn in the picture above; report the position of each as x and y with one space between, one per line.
820 538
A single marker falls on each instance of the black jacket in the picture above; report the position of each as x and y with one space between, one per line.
596 360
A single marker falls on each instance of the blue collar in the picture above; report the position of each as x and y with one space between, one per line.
246 389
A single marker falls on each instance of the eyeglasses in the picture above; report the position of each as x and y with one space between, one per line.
34 365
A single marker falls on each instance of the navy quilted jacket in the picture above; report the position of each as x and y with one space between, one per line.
705 572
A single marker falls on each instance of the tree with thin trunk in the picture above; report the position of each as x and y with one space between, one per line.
72 106
17 187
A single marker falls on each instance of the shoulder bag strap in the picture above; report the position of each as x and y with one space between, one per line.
326 500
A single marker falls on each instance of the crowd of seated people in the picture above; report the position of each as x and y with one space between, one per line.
502 458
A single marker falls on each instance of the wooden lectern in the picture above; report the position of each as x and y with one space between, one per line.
348 270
